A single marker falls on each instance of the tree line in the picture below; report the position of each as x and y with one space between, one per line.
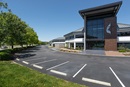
13 30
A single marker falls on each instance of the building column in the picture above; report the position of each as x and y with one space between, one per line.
110 38
69 45
74 45
85 25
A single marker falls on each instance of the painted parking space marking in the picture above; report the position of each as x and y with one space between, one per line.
17 59
36 59
57 65
96 81
45 61
40 67
79 71
25 62
117 77
58 72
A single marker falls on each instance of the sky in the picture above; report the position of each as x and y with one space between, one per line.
54 18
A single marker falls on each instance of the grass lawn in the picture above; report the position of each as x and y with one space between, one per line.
14 75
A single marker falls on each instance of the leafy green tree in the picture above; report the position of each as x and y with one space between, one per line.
21 34
31 36
15 31
3 29
13 28
4 6
2 21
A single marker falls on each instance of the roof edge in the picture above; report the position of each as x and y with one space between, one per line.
101 7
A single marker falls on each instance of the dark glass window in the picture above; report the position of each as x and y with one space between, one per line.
69 37
80 36
95 45
124 33
95 29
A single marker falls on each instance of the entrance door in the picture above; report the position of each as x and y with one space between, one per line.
95 45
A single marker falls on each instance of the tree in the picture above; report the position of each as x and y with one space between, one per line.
2 21
21 34
15 31
15 27
4 6
2 28
31 36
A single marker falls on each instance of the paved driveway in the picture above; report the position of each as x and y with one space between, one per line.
93 71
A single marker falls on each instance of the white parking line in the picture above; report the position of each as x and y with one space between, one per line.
25 62
46 61
37 66
17 59
36 59
117 77
57 65
96 81
57 72
79 70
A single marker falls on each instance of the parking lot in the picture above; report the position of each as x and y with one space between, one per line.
93 71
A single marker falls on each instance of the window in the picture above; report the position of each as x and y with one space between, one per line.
69 37
80 36
95 29
124 33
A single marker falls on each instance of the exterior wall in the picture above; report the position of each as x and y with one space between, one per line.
110 38
72 43
58 44
110 44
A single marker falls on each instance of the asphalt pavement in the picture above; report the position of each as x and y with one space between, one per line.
93 71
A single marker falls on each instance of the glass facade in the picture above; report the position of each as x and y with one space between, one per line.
69 37
79 36
95 45
124 33
95 34
95 29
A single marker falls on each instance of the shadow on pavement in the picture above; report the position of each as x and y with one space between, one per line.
27 53
24 55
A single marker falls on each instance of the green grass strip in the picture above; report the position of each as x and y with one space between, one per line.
14 75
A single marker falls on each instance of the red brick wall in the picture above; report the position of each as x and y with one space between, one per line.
110 44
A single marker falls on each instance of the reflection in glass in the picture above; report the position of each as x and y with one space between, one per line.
95 29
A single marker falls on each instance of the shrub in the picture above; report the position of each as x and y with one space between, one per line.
127 49
7 50
6 56
122 50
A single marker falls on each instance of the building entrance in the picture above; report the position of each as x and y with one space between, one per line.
95 45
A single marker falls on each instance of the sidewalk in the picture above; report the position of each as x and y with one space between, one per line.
92 52
113 53
102 53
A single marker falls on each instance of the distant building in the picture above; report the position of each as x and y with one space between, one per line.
58 42
75 39
123 35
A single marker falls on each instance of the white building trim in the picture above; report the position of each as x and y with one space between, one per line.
77 40
123 39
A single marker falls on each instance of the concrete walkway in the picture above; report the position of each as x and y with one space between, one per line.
113 53
101 53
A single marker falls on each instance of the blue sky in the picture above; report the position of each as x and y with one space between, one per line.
54 18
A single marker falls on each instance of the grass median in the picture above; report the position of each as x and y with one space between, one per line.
14 75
